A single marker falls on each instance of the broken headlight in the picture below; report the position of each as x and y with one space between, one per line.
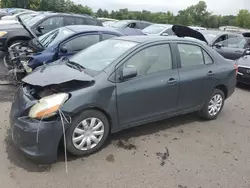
48 106
2 33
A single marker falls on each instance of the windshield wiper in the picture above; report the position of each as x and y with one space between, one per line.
73 64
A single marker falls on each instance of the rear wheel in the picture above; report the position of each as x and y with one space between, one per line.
213 106
88 133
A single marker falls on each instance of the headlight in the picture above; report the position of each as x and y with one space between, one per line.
2 33
48 106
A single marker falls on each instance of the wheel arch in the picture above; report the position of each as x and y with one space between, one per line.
12 39
223 88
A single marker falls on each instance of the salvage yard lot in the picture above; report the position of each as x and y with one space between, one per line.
179 152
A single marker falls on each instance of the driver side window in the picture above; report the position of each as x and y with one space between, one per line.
151 59
222 40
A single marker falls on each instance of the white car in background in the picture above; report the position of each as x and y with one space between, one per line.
14 17
158 29
24 17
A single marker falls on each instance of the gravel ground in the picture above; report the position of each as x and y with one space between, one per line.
181 152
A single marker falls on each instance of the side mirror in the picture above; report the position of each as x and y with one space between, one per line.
128 72
40 29
63 49
218 45
164 34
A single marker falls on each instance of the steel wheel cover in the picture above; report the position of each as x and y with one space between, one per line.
88 134
215 105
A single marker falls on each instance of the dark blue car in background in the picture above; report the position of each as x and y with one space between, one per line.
61 42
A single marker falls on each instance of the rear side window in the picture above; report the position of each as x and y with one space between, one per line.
107 36
69 21
91 21
193 55
80 21
81 42
190 55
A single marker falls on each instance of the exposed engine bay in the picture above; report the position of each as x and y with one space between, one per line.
38 92
18 56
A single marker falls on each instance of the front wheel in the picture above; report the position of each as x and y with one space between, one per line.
88 133
213 106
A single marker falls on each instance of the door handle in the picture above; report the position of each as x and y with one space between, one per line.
172 81
210 73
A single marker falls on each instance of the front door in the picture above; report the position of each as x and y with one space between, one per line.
154 91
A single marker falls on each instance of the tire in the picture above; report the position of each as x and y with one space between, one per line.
83 150
204 112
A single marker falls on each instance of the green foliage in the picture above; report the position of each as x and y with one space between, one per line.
243 19
192 15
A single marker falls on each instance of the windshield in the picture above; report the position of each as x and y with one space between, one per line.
98 56
54 36
154 29
120 24
34 20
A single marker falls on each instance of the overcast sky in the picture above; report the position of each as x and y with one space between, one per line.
216 6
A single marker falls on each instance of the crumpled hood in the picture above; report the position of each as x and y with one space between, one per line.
184 31
55 73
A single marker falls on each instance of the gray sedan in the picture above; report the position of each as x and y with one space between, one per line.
114 85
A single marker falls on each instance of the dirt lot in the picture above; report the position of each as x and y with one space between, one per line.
182 152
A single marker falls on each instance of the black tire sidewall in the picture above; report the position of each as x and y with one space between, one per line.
204 112
75 121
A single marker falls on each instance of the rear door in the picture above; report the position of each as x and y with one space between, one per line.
78 43
154 91
197 75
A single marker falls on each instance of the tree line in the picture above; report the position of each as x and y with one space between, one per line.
197 15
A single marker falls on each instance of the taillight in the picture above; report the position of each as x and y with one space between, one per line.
236 68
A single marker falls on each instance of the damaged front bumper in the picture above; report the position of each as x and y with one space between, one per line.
38 139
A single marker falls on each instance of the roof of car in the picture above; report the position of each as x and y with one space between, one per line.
218 32
68 14
89 28
136 21
144 38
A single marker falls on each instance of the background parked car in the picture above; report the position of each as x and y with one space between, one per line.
243 75
136 24
23 17
14 16
108 23
229 45
107 19
61 42
39 25
101 82
158 29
